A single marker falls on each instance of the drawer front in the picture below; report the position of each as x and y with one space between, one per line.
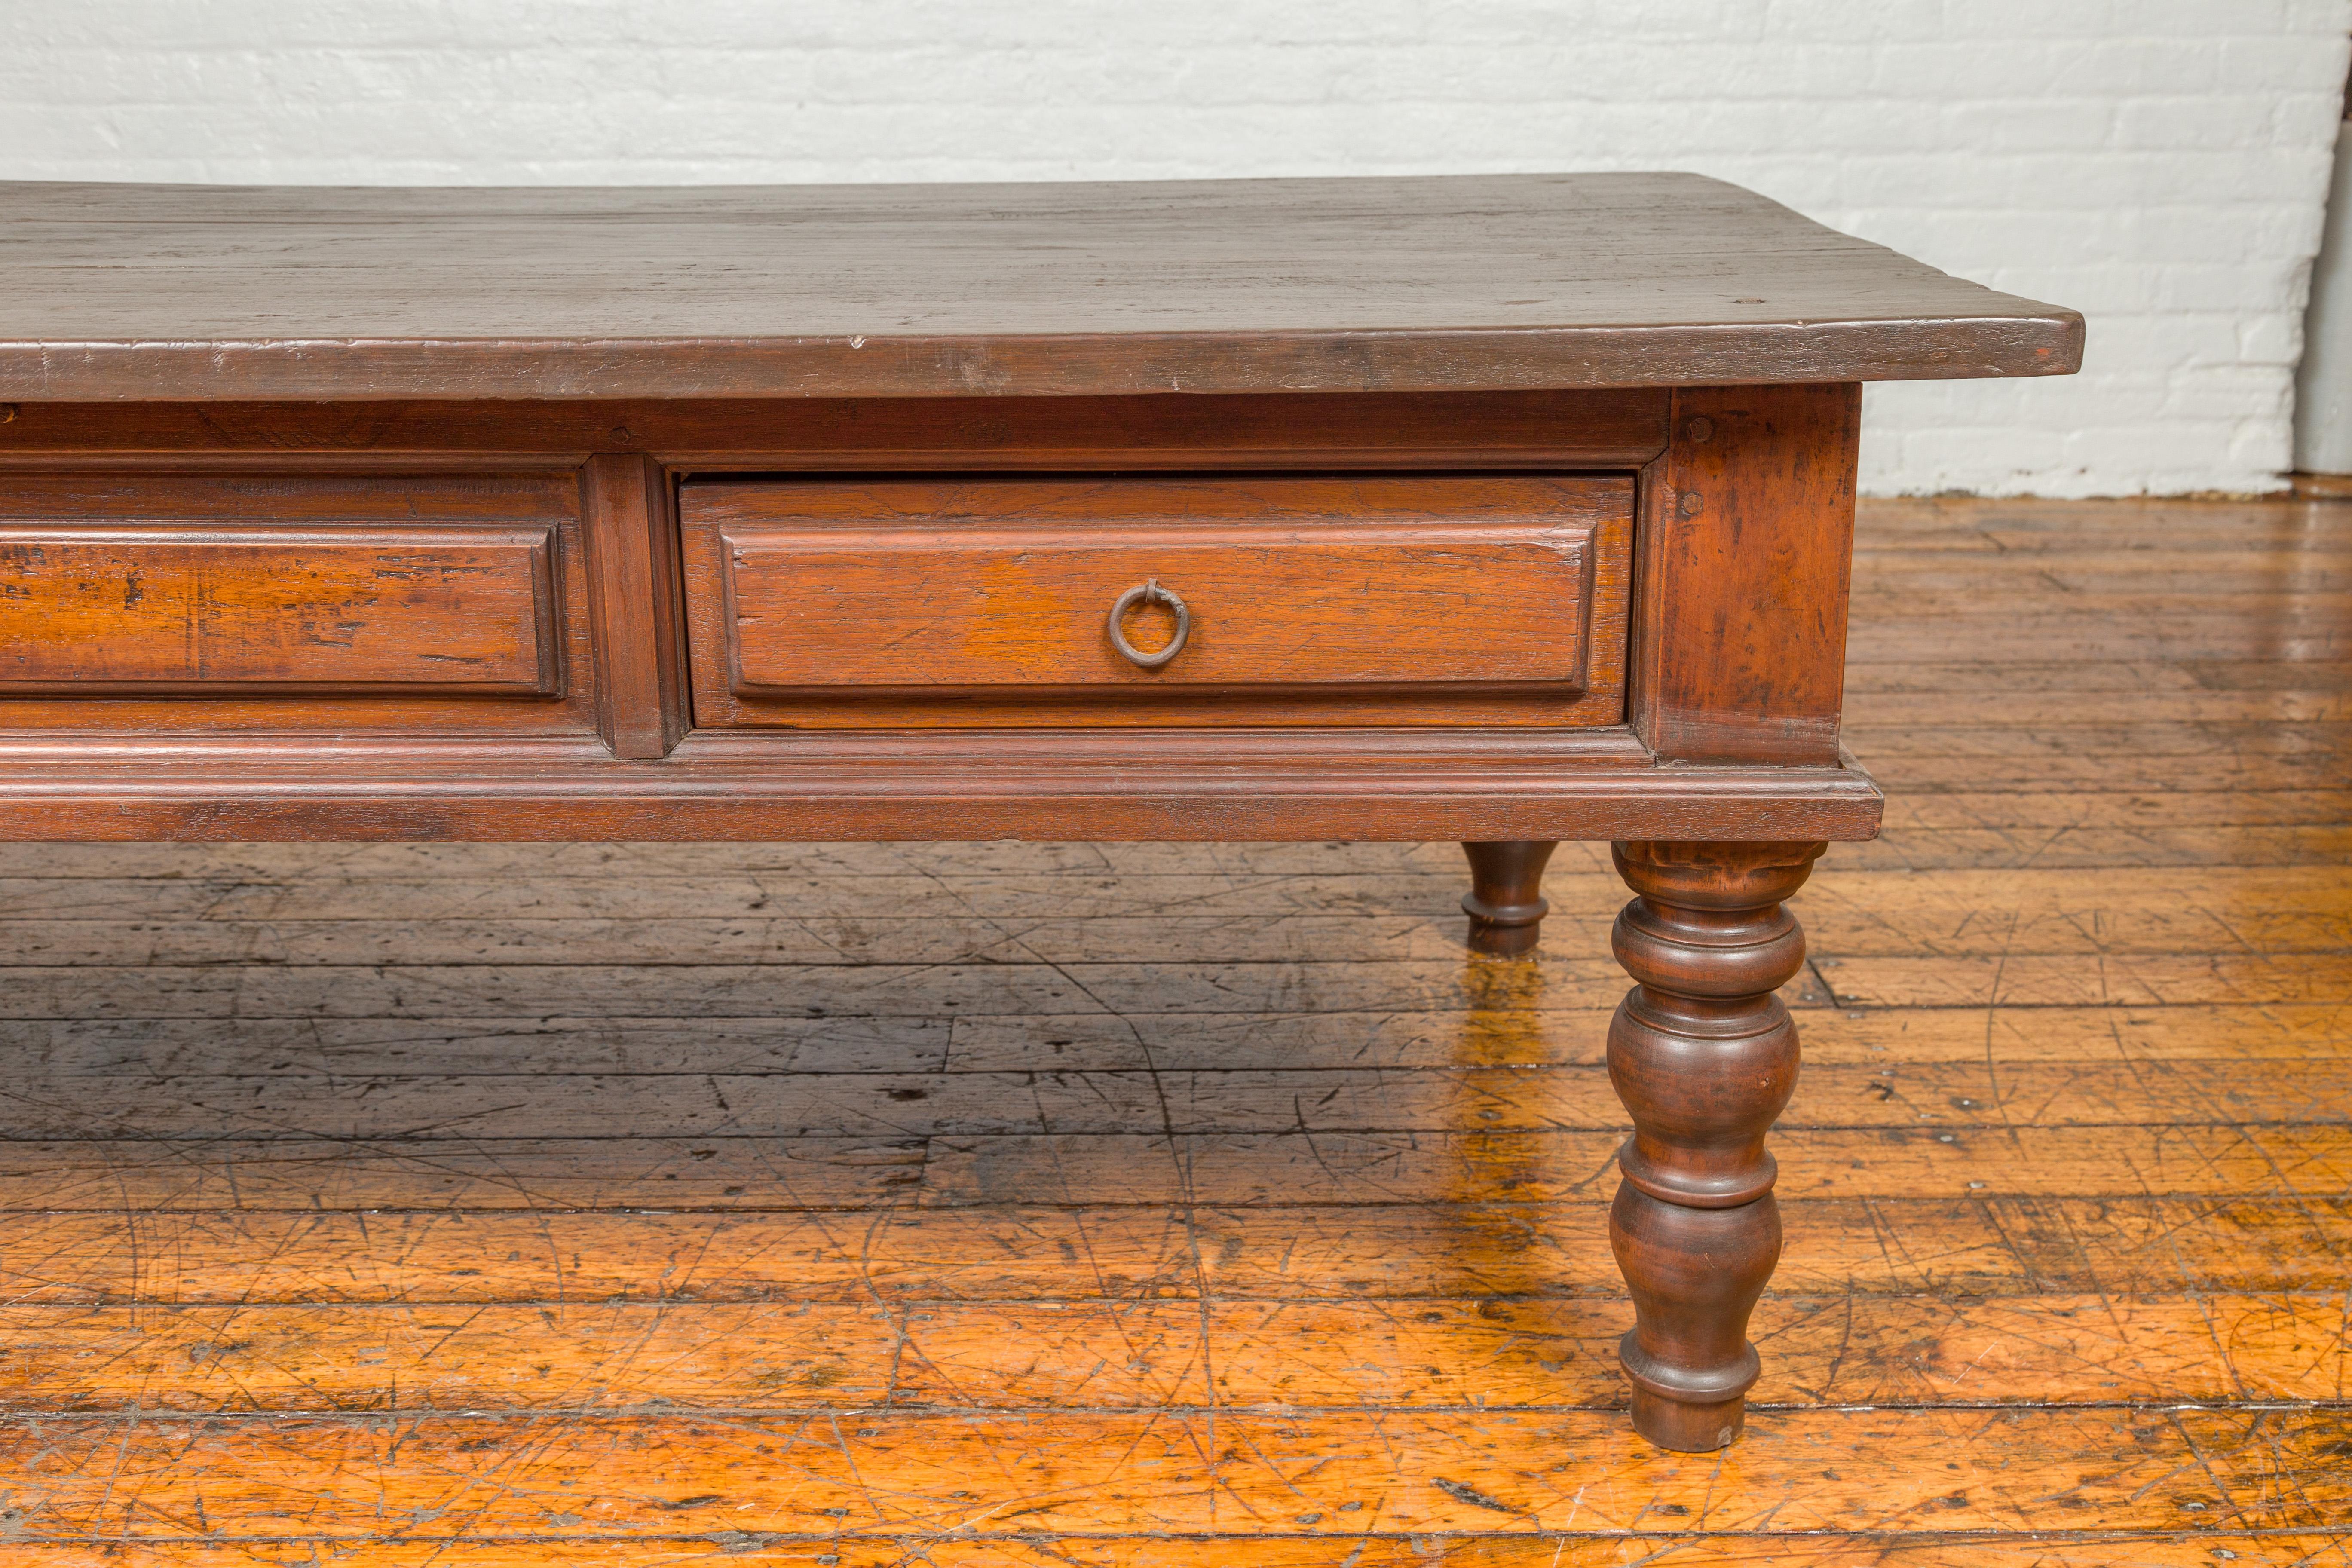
294 601
1420 599
460 610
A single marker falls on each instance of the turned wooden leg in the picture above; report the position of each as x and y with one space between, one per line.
1505 903
1703 1055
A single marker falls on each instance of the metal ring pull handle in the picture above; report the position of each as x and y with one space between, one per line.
1145 593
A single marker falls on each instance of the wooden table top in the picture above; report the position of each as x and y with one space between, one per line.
1477 283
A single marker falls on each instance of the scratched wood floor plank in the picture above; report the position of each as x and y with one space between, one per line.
192 880
2176 625
1039 897
1110 1205
1974 1247
2295 910
1058 1353
2098 846
1500 1031
2289 909
1950 829
2226 617
1881 709
1884 1167
2123 772
2151 742
736 1172
2101 569
2228 654
2010 524
2045 1549
2184 551
2112 678
168 920
1341 1472
2027 811
1959 1095
740 991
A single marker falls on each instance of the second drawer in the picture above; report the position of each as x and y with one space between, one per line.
1457 599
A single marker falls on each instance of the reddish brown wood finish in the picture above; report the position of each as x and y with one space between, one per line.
1580 429
1506 902
641 700
294 601
1748 531
1703 1055
1305 783
205 463
148 611
1309 600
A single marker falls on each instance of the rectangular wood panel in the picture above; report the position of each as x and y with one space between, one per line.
382 599
463 609
1748 539
641 701
1573 429
975 601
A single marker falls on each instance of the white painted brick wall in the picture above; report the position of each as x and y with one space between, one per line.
2159 163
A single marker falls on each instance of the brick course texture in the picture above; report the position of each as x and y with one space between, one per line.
2161 165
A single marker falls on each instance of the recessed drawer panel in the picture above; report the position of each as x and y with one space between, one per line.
454 609
337 602
1428 598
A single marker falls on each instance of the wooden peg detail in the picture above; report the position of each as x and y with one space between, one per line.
1506 902
1705 1056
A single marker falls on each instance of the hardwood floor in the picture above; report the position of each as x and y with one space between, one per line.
1209 1204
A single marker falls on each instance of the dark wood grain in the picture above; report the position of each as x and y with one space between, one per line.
1747 527
1614 428
1191 783
1462 282
1704 1054
634 598
1506 902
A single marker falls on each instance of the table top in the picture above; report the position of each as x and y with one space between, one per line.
1468 282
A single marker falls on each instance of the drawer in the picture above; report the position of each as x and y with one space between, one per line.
279 607
1422 599
424 602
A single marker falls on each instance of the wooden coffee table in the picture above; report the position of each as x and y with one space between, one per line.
1505 509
